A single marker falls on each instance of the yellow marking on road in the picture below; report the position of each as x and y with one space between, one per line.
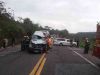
41 67
37 65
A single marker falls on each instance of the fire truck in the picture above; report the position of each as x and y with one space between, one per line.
96 51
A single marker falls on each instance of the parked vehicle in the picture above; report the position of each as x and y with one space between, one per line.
62 41
74 43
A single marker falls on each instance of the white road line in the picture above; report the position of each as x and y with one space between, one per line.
87 60
4 54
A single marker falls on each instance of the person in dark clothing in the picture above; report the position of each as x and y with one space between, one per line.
86 46
77 43
4 43
13 41
71 42
25 43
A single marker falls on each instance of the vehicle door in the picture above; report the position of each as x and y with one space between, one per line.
68 41
63 41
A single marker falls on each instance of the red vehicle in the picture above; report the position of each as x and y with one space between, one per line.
96 51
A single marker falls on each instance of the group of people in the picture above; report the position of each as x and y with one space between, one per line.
86 45
49 43
4 42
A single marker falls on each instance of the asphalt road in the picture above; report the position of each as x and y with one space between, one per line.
60 60
18 63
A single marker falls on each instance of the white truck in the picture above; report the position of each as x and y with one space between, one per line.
64 42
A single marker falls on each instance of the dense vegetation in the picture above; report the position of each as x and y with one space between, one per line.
10 28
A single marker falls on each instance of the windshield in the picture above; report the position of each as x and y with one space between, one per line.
36 37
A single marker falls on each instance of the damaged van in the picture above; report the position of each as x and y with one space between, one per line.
38 41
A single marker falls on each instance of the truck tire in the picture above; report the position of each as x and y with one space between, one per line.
46 48
22 48
61 44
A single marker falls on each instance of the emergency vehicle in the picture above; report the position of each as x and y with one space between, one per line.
96 51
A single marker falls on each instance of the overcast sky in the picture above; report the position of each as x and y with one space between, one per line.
74 15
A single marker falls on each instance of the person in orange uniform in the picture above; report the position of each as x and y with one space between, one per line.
49 42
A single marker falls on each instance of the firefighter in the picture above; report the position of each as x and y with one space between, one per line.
49 42
86 46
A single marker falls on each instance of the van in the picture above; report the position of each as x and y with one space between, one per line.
38 41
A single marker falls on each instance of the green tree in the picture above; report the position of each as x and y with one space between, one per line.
28 26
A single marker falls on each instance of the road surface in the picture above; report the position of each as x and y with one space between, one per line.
60 60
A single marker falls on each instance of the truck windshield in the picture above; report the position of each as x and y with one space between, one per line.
36 37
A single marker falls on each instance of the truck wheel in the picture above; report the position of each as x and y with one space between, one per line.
46 48
22 48
61 44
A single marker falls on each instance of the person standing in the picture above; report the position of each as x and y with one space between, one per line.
5 42
71 42
49 42
77 43
86 46
13 41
